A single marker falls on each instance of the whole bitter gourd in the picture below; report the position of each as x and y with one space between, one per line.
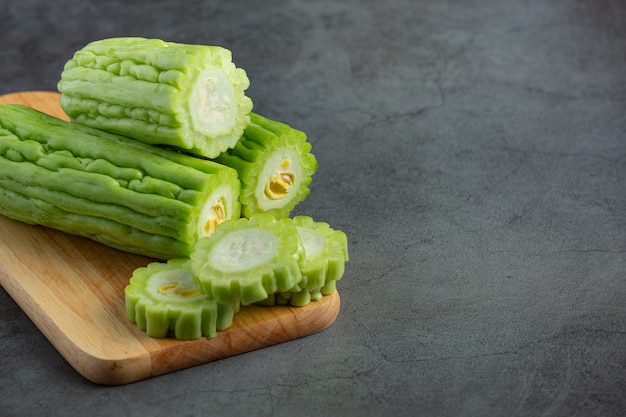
120 192
190 97
275 166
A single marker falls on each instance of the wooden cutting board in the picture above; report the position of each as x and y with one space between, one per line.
73 290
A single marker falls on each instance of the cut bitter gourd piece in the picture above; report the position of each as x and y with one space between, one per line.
187 96
163 300
326 253
246 260
275 165
117 191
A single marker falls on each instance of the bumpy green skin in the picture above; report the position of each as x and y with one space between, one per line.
186 96
326 251
263 143
169 314
114 190
246 260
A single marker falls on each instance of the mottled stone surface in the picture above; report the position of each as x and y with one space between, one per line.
475 154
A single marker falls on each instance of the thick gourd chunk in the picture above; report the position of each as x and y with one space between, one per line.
275 165
117 191
190 97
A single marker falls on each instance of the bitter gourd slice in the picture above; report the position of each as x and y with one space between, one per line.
163 300
275 165
326 252
123 193
246 260
186 96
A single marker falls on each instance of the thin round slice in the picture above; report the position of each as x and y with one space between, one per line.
246 260
164 301
326 251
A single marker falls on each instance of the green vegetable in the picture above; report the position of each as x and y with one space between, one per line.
246 260
117 191
226 313
274 165
326 252
164 93
164 301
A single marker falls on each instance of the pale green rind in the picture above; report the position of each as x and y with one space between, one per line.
225 314
108 232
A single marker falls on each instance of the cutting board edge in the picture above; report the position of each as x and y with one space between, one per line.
124 370
85 363
319 316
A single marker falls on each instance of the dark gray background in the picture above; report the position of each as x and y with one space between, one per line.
475 154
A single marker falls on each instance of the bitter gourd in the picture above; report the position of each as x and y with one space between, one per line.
123 193
275 165
163 300
326 252
246 260
186 96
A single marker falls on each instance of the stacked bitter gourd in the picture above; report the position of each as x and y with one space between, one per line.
164 157
192 98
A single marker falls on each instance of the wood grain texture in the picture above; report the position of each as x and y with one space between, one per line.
72 289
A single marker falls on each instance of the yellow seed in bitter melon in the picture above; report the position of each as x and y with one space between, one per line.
186 96
163 300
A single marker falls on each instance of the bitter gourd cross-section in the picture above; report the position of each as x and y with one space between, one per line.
275 166
246 260
179 95
120 192
163 300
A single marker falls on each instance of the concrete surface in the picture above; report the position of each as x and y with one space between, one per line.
475 154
